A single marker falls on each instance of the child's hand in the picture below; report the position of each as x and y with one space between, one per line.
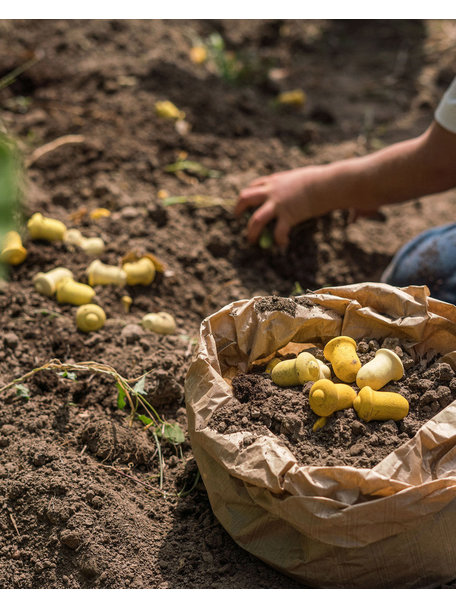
400 172
290 197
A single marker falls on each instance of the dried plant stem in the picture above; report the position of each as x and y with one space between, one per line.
92 366
53 145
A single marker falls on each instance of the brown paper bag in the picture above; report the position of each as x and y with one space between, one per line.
390 526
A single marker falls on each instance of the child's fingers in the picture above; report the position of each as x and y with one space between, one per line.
281 232
259 181
250 197
258 221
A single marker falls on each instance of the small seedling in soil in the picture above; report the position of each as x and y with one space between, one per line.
185 492
266 240
69 375
12 76
134 395
22 391
297 289
233 67
192 168
47 313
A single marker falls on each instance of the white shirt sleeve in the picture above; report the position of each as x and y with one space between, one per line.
445 114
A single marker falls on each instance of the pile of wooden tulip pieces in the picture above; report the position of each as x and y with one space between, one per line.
59 282
327 397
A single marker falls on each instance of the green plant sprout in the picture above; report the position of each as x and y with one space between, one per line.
22 391
11 77
127 392
233 67
185 492
192 167
297 289
9 190
47 313
69 375
266 240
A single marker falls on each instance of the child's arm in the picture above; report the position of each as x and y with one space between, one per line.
404 171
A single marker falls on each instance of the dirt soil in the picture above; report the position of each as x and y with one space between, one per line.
80 489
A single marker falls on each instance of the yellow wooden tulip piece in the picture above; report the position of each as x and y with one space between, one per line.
285 373
166 109
13 251
141 272
297 98
46 283
380 405
106 274
45 228
72 292
90 317
383 368
99 212
126 303
341 352
326 397
73 236
272 363
307 367
320 423
159 322
325 372
90 245
93 245
198 54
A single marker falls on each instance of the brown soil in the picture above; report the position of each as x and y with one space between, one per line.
79 486
264 407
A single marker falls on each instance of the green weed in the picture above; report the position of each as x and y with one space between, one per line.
192 168
22 391
9 189
297 289
232 66
131 392
266 240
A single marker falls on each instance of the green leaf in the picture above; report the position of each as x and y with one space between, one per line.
193 168
121 394
297 290
45 313
22 391
10 178
266 239
171 432
145 420
175 200
139 387
69 375
216 42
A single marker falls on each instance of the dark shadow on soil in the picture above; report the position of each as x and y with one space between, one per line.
212 559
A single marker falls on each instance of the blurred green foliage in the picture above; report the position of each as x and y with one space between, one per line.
234 67
9 189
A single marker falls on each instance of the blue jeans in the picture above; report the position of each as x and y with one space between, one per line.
429 259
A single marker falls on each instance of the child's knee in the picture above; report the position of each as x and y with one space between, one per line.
429 259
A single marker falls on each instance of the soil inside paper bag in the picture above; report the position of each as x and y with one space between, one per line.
264 408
